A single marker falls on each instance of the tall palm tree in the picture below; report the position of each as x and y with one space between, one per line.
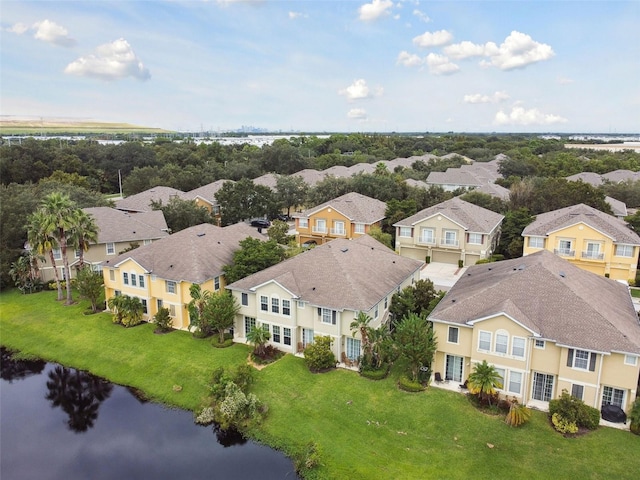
484 380
197 306
258 336
59 212
41 238
83 232
361 324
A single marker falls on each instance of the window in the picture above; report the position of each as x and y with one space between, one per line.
630 360
303 222
386 302
144 306
117 293
593 251
264 303
111 248
216 284
286 307
286 335
453 368
577 391
581 359
426 235
147 241
76 254
245 299
134 282
300 304
275 305
565 248
328 316
502 341
307 337
517 347
406 232
515 382
375 312
484 341
503 375
475 238
542 386
612 396
141 281
276 334
321 226
159 303
57 254
453 335
353 348
359 228
624 251
539 344
125 278
170 286
249 324
536 242
172 310
112 275
338 228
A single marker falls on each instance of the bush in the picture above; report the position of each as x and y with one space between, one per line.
574 410
460 264
634 417
307 459
518 414
162 319
589 417
406 384
318 355
228 341
377 373
563 425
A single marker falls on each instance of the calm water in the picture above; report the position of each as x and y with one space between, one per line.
58 423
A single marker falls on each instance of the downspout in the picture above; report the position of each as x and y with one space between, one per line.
595 400
525 380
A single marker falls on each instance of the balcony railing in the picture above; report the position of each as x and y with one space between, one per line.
427 240
338 231
448 242
593 255
564 252
319 230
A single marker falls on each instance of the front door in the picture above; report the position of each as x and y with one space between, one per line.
453 369
542 387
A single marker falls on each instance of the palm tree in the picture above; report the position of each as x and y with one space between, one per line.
484 380
83 232
258 336
116 305
361 324
197 308
41 238
59 212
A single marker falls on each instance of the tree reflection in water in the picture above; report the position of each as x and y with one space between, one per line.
78 394
229 437
12 369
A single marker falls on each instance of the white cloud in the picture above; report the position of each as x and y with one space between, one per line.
520 116
564 80
294 15
479 98
519 50
433 39
359 90
422 16
409 59
51 32
374 10
111 61
17 28
440 65
357 114
468 49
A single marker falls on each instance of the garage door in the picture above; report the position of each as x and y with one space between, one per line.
415 253
470 260
445 257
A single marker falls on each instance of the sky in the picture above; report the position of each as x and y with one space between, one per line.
326 65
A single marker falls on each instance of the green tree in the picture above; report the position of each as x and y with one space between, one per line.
90 285
511 244
253 256
278 231
83 232
259 336
221 311
41 240
416 343
24 273
361 325
420 298
484 380
181 214
198 309
291 192
243 199
384 238
318 355
162 319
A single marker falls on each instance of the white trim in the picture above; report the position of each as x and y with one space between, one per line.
495 315
635 360
565 227
573 380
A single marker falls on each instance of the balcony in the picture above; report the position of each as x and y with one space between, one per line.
338 232
427 240
564 252
593 255
449 242
322 230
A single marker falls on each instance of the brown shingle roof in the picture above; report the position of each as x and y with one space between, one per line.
553 298
581 213
341 274
208 192
356 207
141 202
195 254
118 226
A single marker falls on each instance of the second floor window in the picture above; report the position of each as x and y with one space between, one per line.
286 307
264 303
426 235
170 286
111 248
57 254
359 228
245 299
328 316
125 278
624 251
321 226
275 305
536 242
475 238
303 223
581 359
338 228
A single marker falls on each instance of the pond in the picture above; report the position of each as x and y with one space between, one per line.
61 423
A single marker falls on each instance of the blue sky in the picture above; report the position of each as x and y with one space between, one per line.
342 65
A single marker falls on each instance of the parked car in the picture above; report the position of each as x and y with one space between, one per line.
260 223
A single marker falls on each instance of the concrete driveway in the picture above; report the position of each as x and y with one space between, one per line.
443 275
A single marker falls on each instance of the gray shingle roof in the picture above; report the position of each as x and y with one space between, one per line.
471 217
619 208
341 274
565 217
141 202
268 180
453 177
195 254
356 207
119 226
591 178
208 192
553 298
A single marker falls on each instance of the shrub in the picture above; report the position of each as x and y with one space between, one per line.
518 414
589 417
237 408
162 319
574 410
634 417
408 385
244 377
228 341
563 425
377 373
427 259
318 355
460 264
307 459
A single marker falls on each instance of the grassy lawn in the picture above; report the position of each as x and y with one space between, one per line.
364 429
635 292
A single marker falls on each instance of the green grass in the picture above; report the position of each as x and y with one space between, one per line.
635 292
364 429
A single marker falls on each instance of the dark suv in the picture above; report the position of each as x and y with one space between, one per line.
260 223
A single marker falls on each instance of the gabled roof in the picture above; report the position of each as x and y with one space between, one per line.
618 176
195 254
453 176
268 180
581 213
119 226
341 274
618 208
356 207
208 192
141 202
494 190
469 216
310 176
549 296
591 178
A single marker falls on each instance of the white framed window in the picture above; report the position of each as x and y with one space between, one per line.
300 304
286 307
170 286
577 391
484 341
515 382
245 299
320 226
338 228
536 242
275 305
405 232
376 312
503 377
216 284
630 360
76 253
386 302
249 324
275 336
565 248
502 342
427 235
542 386
57 254
581 359
125 278
303 223
517 346
159 302
450 238
141 281
539 344
328 316
624 250
353 348
307 337
612 396
286 336
264 303
453 333
111 248
112 275
359 228
592 251
134 280
475 238
145 310
147 241
172 310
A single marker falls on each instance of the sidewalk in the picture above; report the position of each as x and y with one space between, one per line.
443 275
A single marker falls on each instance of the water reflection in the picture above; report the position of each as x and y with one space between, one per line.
11 369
